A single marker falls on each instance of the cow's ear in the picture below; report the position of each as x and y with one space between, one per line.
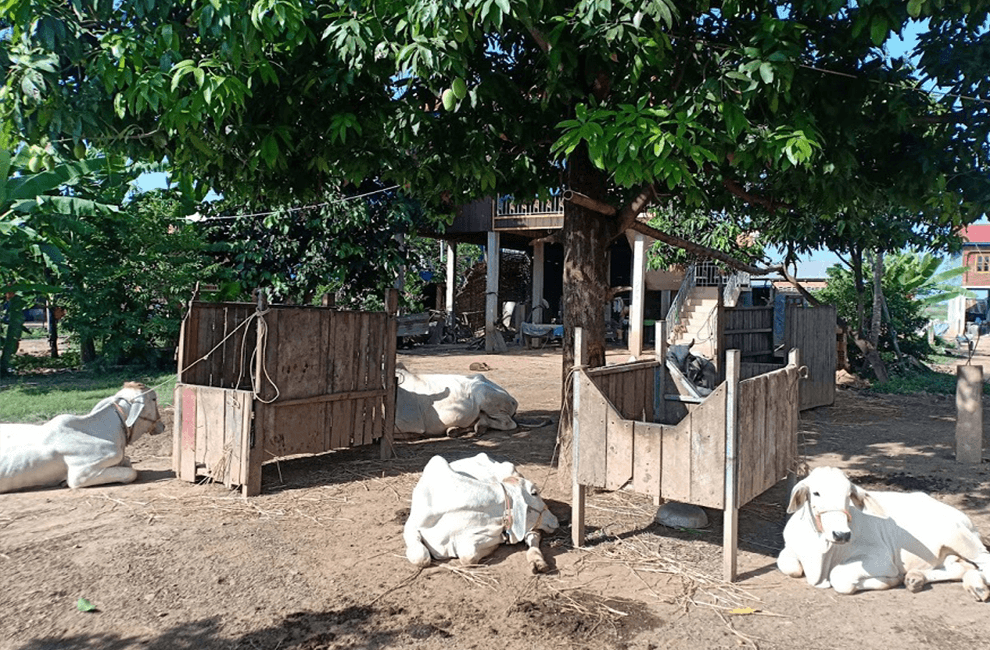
134 413
865 502
798 496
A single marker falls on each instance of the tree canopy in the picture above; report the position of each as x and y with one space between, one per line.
789 116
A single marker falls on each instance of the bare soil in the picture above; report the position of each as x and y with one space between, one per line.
317 561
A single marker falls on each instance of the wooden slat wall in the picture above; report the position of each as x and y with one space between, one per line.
684 462
629 387
812 331
207 326
768 419
298 370
323 383
211 426
749 330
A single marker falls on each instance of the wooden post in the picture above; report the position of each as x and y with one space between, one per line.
969 414
493 339
660 379
256 446
638 296
392 308
718 334
577 490
451 282
539 261
730 535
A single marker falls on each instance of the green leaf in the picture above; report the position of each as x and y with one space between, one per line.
84 605
766 72
878 30
460 88
914 7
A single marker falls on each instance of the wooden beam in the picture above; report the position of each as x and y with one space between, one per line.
492 335
539 262
730 526
638 296
577 490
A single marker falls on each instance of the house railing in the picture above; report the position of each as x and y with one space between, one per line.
674 313
547 214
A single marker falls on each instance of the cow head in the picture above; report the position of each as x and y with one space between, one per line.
140 408
828 495
528 511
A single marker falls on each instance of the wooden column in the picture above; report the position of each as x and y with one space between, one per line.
730 535
537 301
392 308
638 296
451 281
577 490
969 414
660 378
493 339
253 448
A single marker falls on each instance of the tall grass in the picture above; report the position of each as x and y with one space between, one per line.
37 397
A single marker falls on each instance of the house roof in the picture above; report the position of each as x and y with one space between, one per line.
976 233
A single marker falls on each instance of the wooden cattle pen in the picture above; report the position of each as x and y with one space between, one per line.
259 382
634 428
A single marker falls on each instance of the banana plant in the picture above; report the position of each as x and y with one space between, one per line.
34 216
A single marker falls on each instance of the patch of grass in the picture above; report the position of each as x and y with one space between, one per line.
36 398
936 383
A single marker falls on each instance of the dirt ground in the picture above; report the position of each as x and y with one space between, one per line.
317 561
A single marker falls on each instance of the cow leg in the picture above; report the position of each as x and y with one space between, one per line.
91 476
853 577
534 556
976 585
789 563
951 569
471 548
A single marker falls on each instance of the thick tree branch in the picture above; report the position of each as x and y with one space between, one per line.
737 189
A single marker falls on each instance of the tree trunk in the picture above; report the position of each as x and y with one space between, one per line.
585 237
52 323
876 320
87 349
15 327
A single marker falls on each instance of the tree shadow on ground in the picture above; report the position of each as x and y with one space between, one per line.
352 626
520 447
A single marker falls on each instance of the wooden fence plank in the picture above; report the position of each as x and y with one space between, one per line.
749 442
647 463
177 429
343 412
675 456
593 414
212 419
362 415
187 470
708 451
619 445
388 374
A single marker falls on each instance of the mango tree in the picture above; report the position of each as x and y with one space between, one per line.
782 115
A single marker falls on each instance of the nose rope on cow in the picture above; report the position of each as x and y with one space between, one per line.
507 514
818 517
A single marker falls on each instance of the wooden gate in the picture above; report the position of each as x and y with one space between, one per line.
809 329
261 383
812 330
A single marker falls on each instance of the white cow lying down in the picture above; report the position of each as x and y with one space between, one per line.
438 405
83 450
466 508
845 537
